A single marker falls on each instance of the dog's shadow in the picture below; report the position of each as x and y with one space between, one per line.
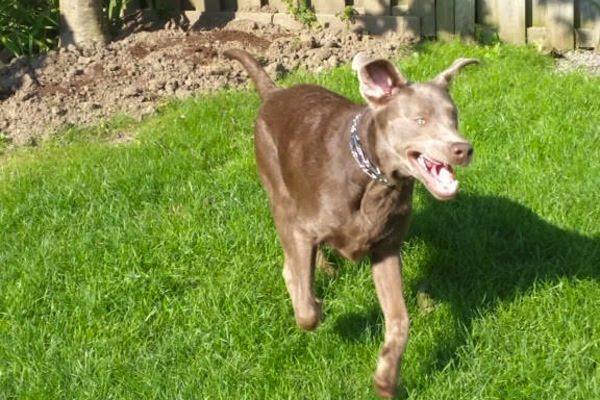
484 249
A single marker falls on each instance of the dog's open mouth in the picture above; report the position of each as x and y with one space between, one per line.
437 176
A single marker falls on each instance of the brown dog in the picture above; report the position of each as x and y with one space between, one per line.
341 173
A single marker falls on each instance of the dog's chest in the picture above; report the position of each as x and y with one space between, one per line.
383 217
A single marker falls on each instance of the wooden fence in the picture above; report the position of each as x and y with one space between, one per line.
560 24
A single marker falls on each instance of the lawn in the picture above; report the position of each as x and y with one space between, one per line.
151 269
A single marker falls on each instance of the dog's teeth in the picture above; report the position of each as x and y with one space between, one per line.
444 175
421 161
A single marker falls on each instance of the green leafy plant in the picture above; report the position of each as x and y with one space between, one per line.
32 27
486 35
4 142
302 12
348 14
28 27
113 10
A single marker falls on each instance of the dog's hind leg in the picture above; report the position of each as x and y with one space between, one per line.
298 272
299 264
387 275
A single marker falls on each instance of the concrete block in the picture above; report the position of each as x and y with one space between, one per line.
286 21
586 38
376 7
261 18
248 5
328 6
279 5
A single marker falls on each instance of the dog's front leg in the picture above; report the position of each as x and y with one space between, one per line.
387 275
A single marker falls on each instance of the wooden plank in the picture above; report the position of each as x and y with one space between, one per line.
588 34
560 24
511 21
444 18
407 27
464 18
538 12
588 15
425 10
487 12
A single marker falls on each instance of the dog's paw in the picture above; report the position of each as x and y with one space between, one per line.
311 318
386 375
385 389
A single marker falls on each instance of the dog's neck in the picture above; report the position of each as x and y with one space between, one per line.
361 158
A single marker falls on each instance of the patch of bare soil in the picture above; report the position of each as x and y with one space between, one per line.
132 74
150 62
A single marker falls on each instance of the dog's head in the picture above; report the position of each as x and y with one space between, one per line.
417 125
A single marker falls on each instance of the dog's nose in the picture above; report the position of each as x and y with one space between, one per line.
462 152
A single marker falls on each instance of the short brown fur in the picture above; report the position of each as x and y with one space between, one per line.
319 195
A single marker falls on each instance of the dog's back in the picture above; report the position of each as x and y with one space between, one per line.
301 143
304 125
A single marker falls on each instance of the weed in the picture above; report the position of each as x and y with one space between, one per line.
486 36
348 14
302 12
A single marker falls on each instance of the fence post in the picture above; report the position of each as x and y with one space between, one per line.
487 12
444 18
425 9
560 24
588 34
464 18
511 21
538 13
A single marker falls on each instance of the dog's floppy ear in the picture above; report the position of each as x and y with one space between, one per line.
444 78
378 78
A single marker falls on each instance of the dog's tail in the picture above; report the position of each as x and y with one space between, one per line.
264 83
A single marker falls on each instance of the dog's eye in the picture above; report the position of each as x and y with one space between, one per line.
420 120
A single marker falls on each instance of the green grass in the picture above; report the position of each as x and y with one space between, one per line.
152 269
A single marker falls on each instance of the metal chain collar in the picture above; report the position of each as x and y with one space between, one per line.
361 158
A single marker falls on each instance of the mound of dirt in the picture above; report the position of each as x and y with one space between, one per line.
148 62
132 74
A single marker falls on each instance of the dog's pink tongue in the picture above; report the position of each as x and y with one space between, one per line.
443 174
439 177
446 184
